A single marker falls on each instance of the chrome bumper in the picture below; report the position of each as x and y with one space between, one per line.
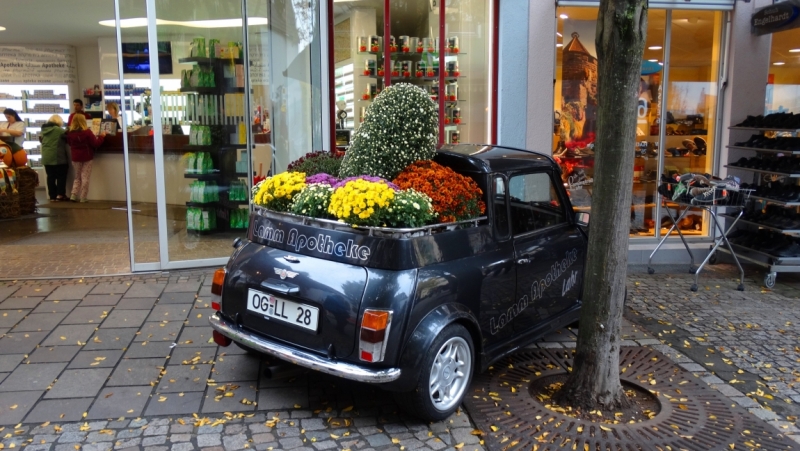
303 358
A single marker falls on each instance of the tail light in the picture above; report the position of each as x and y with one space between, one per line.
219 280
220 339
374 332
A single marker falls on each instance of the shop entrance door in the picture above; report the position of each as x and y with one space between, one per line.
221 99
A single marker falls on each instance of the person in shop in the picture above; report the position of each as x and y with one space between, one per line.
77 108
55 157
113 114
12 131
82 143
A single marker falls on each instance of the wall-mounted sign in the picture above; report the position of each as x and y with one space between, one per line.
38 64
777 17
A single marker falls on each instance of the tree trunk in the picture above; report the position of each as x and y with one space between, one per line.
594 382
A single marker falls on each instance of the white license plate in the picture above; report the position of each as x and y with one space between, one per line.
272 307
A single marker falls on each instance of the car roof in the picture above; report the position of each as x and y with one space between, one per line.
487 158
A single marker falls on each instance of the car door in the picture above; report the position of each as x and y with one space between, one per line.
548 250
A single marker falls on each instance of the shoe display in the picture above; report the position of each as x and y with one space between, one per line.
789 121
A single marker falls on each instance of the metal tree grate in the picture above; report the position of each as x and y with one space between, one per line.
693 416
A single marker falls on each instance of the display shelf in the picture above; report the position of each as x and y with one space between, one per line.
414 53
215 147
776 259
202 60
38 114
435 78
764 129
241 174
212 90
203 177
761 171
202 204
776 202
202 232
756 149
765 226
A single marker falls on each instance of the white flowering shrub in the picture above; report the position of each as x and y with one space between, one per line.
410 209
400 127
313 201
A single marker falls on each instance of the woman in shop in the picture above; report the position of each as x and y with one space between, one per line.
13 129
113 113
82 143
55 158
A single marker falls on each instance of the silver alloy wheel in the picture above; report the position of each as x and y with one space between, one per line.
450 373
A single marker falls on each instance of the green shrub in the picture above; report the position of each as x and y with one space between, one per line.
400 127
316 162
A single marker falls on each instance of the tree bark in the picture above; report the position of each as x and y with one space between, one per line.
594 382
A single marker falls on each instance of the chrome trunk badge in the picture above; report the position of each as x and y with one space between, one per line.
284 273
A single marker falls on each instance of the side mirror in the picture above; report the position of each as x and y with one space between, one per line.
582 219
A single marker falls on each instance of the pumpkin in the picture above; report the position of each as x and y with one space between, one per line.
11 158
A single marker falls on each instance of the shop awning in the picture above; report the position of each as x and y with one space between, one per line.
717 5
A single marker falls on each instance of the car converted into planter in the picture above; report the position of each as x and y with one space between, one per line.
414 310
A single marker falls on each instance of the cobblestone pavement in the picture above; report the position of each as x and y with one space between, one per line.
126 363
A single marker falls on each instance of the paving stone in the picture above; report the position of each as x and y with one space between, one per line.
185 354
246 390
118 424
184 378
139 422
231 429
436 443
136 303
182 447
39 447
124 318
180 437
693 367
206 440
176 298
35 290
110 339
55 306
144 290
53 354
183 287
5 292
207 429
327 444
136 372
196 336
149 349
181 428
9 318
158 331
94 300
100 436
39 321
115 402
127 443
263 438
95 359
155 448
68 292
72 437
283 398
79 383
313 424
198 318
156 430
69 334
110 288
130 433
32 377
170 312
174 404
20 303
302 414
378 440
232 368
157 440
464 435
233 442
86 315
291 442
24 401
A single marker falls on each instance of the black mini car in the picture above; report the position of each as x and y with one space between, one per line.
416 311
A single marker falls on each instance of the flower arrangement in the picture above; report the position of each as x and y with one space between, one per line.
323 178
410 209
313 201
344 182
455 197
276 193
361 202
317 162
401 126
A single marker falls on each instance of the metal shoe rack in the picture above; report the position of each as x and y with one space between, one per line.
727 199
774 264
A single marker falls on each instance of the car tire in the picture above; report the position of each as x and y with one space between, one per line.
451 358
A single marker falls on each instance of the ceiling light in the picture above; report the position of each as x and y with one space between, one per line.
654 47
778 63
215 23
790 51
563 16
559 45
2 28
561 36
660 64
653 60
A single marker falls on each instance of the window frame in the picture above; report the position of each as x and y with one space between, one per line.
562 205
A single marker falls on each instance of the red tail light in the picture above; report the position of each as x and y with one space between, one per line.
219 280
220 339
215 306
374 331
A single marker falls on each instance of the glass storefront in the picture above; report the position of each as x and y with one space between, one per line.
677 109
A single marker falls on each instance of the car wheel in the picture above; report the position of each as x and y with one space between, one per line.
445 376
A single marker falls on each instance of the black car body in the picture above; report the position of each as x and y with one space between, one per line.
300 288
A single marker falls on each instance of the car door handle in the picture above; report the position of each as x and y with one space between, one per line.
280 287
523 261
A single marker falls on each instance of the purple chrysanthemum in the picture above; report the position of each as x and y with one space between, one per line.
369 179
323 178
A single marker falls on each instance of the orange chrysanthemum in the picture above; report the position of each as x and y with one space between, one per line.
455 197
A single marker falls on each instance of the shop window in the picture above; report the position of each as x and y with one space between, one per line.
783 84
414 48
534 203
500 206
680 85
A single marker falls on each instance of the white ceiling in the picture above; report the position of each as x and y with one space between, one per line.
72 22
